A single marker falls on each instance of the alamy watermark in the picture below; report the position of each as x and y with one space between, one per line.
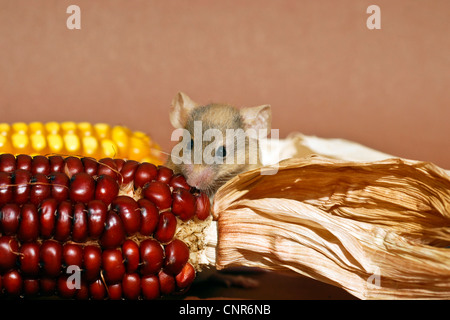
374 280
212 146
73 21
74 280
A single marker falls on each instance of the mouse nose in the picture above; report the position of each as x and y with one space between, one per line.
201 177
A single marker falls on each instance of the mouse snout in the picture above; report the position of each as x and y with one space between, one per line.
199 176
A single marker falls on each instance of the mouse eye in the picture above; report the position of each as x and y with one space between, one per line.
221 152
190 145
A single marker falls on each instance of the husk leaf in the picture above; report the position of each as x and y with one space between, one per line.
378 229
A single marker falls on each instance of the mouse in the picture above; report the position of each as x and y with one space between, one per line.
218 142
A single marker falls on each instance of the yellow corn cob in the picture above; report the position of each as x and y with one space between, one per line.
82 139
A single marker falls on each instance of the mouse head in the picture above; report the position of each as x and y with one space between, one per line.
218 141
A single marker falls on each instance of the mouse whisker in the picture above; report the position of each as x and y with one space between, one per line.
171 155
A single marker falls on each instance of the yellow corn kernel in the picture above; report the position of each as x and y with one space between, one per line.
5 145
36 127
85 129
52 127
72 143
120 136
69 127
90 146
55 143
21 142
141 135
102 130
138 148
4 129
109 148
38 142
20 127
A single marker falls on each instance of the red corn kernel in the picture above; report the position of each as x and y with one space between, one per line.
47 217
107 167
149 217
113 267
82 187
45 203
56 163
96 215
152 256
21 178
114 232
73 166
186 276
164 174
30 287
130 253
29 223
150 287
40 164
51 257
6 190
65 287
145 173
60 185
9 221
166 282
167 225
158 193
176 256
83 292
97 290
7 162
202 207
129 212
47 285
64 217
131 286
128 170
80 223
106 189
29 258
179 181
12 283
119 164
90 165
115 291
72 255
40 188
183 204
9 247
23 162
92 261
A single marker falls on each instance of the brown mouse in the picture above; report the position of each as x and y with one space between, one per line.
219 141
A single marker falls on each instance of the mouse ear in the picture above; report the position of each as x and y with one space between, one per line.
258 118
181 108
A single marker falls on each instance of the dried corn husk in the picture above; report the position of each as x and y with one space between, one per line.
378 229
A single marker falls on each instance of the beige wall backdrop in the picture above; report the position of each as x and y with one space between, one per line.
322 70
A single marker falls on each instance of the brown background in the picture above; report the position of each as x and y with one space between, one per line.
315 62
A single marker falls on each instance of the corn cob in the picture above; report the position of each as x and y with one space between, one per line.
129 229
98 140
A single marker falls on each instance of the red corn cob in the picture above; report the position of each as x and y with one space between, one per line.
81 228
